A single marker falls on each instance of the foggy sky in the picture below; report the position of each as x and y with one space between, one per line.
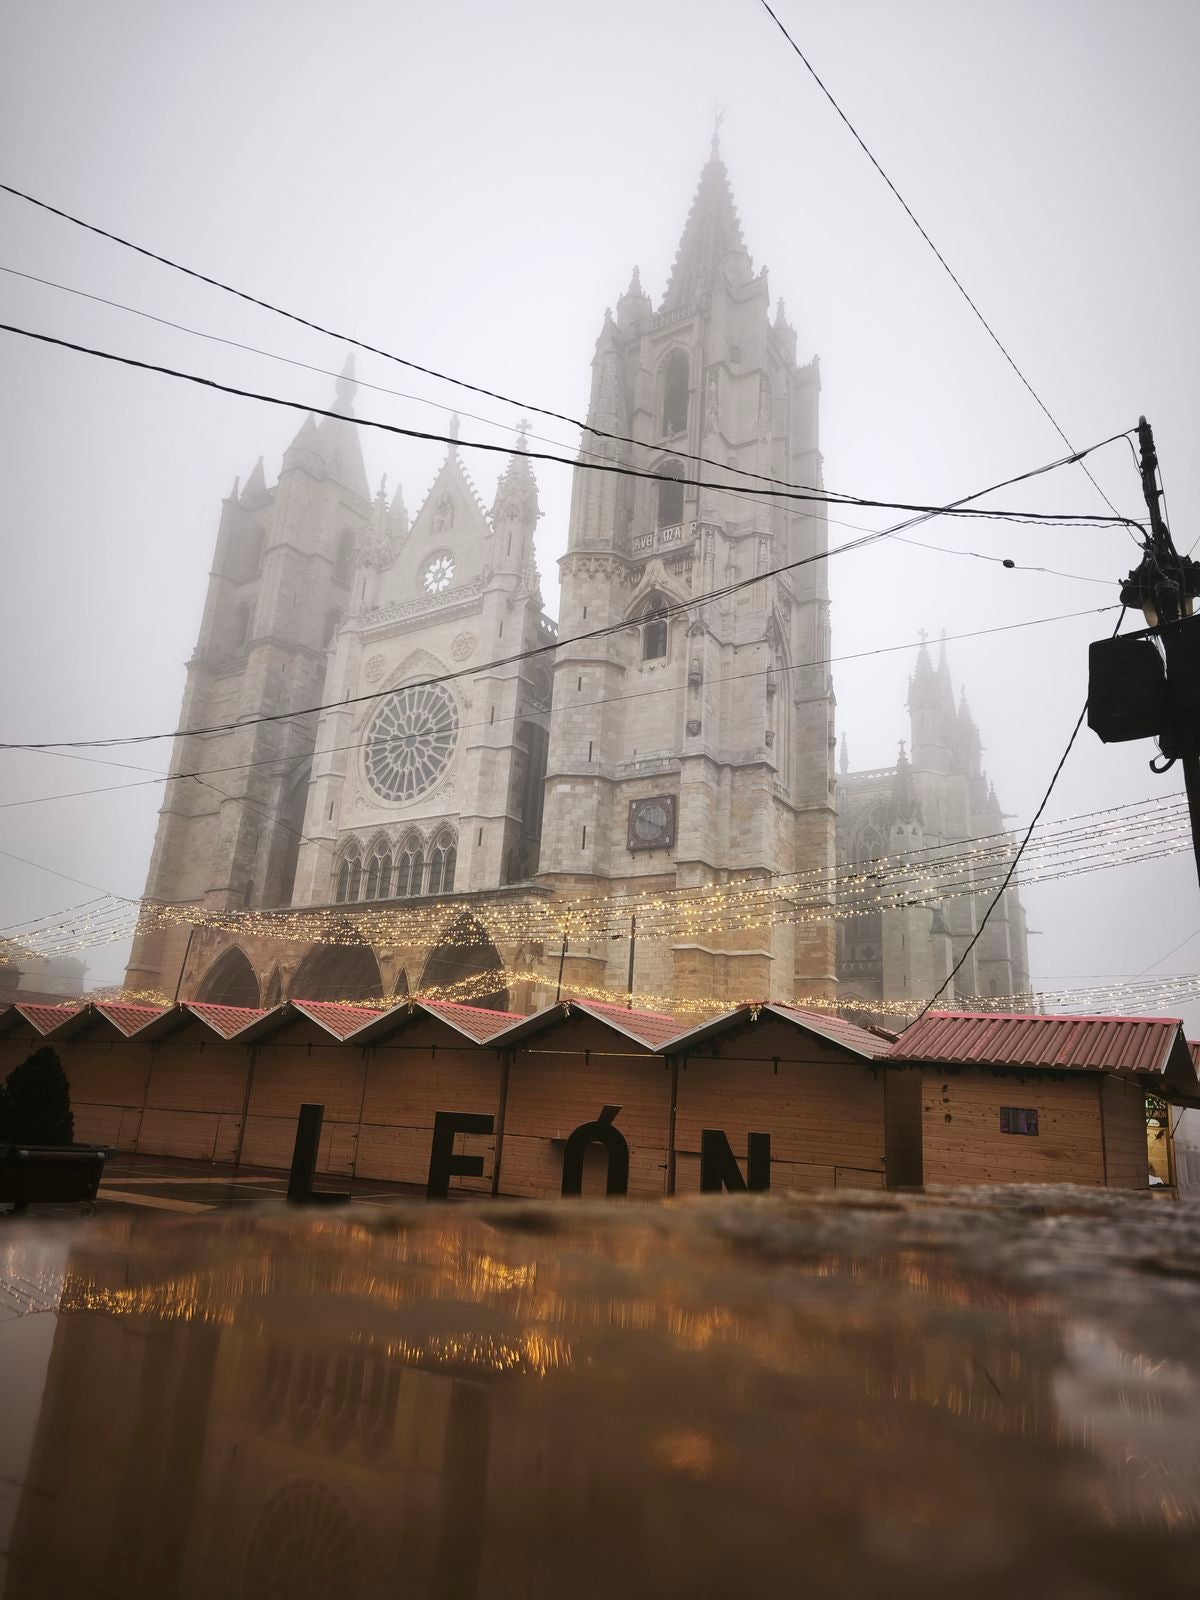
470 184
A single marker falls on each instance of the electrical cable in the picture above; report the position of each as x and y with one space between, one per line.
551 645
285 761
378 388
1062 761
953 276
954 508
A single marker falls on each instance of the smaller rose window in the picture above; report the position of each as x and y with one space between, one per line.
439 574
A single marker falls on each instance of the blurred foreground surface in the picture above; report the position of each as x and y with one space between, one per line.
991 1392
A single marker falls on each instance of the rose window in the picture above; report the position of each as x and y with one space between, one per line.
410 741
439 574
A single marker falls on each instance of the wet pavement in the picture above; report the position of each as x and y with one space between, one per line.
990 1392
160 1183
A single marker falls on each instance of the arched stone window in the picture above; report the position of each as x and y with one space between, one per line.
675 394
670 494
343 566
240 631
653 615
350 875
443 858
410 868
230 981
379 871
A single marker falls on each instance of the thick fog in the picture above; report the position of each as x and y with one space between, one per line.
469 184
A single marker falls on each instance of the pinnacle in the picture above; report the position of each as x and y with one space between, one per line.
711 231
256 483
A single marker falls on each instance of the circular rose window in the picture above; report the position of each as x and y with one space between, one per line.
439 574
410 740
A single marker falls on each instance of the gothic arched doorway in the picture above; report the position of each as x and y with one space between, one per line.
465 952
230 981
337 972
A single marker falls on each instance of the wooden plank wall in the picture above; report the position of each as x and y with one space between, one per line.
1123 1109
832 1121
902 1127
408 1081
565 1078
824 1112
962 1141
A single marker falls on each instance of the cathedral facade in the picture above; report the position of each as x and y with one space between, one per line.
673 735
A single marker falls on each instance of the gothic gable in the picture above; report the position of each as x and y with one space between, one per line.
450 542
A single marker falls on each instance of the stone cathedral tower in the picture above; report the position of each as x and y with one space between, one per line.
280 584
695 745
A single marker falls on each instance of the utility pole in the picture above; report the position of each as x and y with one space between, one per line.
632 943
1164 584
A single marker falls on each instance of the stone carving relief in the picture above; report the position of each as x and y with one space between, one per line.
463 646
443 516
375 668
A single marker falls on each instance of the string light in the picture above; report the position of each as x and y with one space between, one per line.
927 877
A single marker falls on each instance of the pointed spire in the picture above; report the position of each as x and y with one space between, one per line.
844 754
256 484
904 795
634 305
452 430
398 513
515 507
347 389
712 231
377 544
337 439
233 493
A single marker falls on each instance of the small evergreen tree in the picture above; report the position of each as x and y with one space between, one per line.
35 1102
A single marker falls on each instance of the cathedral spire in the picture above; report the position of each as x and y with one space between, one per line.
844 753
256 485
337 439
711 233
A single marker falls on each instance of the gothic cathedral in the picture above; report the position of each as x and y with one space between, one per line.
679 734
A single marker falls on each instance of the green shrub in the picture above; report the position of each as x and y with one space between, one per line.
35 1102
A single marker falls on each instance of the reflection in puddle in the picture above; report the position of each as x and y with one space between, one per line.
803 1396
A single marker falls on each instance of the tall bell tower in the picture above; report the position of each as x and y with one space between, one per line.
695 744
280 586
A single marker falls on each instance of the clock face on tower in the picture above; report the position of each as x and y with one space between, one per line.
652 823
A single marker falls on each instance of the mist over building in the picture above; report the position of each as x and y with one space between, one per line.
678 737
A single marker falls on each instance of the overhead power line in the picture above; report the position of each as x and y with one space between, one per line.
418 399
912 217
495 394
999 895
923 515
285 761
817 497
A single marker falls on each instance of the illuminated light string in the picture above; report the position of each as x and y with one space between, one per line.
522 918
1130 996
393 931
115 914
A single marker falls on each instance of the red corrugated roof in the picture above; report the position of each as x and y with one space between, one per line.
337 1018
47 1018
651 1028
1072 1044
480 1023
129 1018
828 1025
228 1021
